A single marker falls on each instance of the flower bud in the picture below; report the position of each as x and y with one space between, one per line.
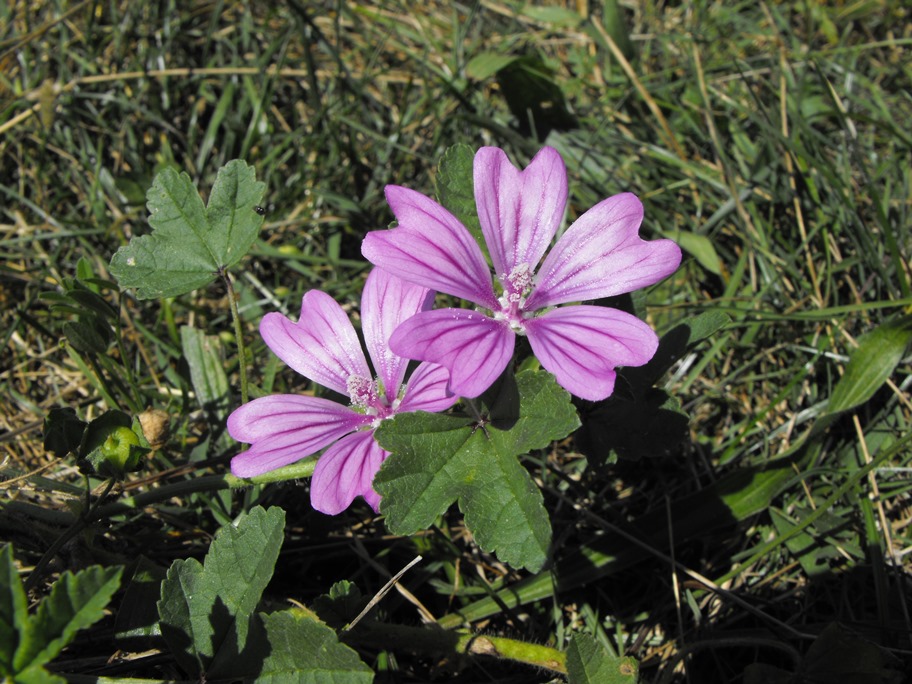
120 452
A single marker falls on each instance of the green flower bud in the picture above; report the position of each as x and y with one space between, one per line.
119 452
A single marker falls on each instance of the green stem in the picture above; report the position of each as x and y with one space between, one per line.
125 363
208 483
88 492
78 525
114 370
480 421
170 323
126 504
196 485
733 498
512 649
92 376
436 641
470 403
238 335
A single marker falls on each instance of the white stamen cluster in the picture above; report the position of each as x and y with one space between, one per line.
517 286
361 392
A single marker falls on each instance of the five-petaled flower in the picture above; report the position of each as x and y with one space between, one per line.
324 347
599 255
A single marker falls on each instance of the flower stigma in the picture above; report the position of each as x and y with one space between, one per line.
362 393
517 286
364 397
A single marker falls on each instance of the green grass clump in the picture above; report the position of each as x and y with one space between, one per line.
770 140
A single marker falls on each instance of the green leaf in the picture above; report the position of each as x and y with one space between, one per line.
486 64
136 623
75 602
303 651
63 431
650 425
110 445
84 269
871 364
732 498
191 243
589 663
37 675
674 345
438 460
455 188
705 324
87 335
341 605
763 673
556 16
205 609
814 555
534 96
701 248
80 293
616 27
13 610
839 655
207 370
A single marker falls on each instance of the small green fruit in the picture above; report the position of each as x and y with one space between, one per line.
119 454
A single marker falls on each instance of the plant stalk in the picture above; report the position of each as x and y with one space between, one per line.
238 335
432 640
78 525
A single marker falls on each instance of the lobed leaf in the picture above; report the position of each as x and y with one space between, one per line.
36 674
341 605
438 460
837 655
206 609
589 663
75 602
733 498
191 244
13 610
63 431
304 651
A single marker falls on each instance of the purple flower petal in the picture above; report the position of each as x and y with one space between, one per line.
474 348
602 255
519 211
347 470
322 346
582 345
385 303
428 390
430 248
285 428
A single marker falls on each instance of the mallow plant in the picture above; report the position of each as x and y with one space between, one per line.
600 255
445 404
323 347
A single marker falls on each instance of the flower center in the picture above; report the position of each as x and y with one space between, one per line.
517 286
364 397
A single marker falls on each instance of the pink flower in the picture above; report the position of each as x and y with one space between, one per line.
600 255
324 347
